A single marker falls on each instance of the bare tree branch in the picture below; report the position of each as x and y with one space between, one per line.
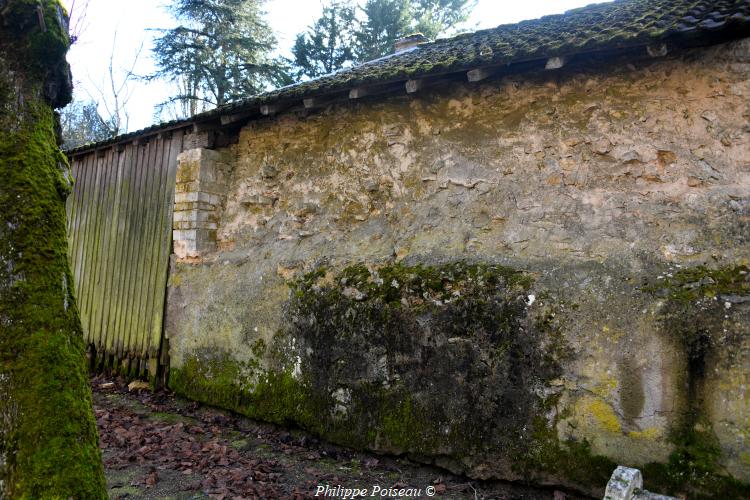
116 97
77 15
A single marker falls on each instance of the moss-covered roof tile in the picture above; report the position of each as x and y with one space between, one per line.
606 26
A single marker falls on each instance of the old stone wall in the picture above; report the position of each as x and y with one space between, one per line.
529 278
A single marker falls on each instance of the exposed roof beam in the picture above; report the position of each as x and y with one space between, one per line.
359 93
657 50
269 109
230 119
556 62
479 74
413 86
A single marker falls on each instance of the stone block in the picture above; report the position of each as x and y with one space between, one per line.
193 225
194 242
187 187
184 235
623 484
195 205
185 197
188 171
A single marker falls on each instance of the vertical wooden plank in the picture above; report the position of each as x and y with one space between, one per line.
163 246
105 229
144 256
113 245
166 215
92 250
165 202
71 204
80 229
88 222
137 262
116 340
135 235
96 244
129 241
122 229
147 245
85 254
72 210
150 247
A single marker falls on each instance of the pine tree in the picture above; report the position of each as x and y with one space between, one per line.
385 22
388 20
438 17
327 46
219 52
346 35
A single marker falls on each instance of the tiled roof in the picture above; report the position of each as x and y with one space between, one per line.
614 25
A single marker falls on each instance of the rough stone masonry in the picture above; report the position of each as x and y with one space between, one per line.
530 278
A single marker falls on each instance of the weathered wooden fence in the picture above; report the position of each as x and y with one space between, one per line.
119 234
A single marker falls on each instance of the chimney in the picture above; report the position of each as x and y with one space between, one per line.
409 42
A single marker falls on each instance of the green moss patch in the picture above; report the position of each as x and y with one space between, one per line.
688 285
422 359
48 437
35 36
694 314
433 361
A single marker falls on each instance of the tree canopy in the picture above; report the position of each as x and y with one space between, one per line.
329 43
347 34
82 124
219 52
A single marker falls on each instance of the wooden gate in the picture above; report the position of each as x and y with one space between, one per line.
120 234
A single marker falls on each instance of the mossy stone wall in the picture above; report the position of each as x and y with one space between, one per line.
48 437
617 195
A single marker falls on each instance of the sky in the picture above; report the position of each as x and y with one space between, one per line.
130 23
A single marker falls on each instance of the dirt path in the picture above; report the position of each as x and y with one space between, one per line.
156 445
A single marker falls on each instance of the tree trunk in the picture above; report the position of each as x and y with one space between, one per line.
48 437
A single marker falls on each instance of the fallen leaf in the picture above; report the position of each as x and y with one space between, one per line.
136 385
152 479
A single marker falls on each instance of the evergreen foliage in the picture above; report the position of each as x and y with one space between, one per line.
219 52
346 34
329 43
385 21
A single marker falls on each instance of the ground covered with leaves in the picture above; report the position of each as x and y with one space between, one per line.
157 445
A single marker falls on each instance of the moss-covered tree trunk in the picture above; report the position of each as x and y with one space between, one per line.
48 438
